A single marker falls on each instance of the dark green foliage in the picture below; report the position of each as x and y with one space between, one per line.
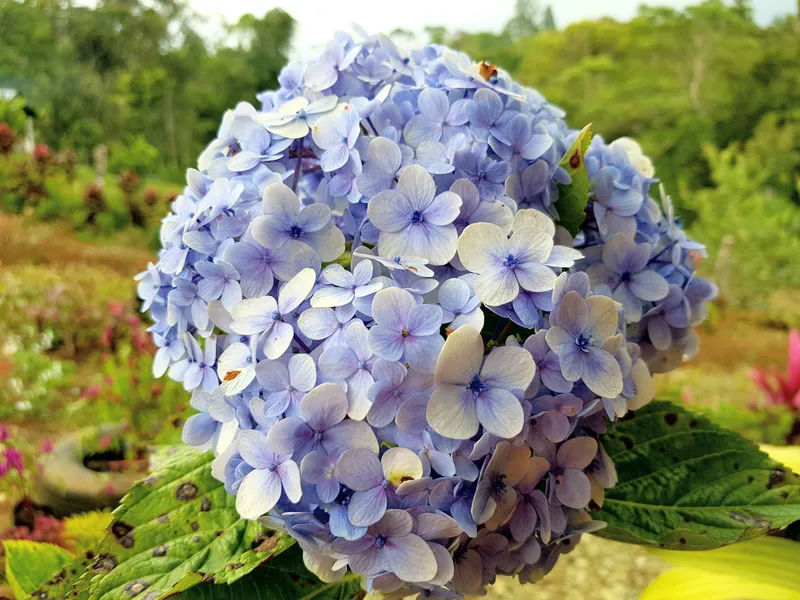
687 484
163 89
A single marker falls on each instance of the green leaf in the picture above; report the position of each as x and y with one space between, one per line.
687 484
86 530
284 578
61 583
573 197
763 568
175 529
30 564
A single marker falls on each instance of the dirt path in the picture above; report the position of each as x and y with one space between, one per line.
596 570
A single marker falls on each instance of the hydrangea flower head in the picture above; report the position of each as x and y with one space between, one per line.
397 353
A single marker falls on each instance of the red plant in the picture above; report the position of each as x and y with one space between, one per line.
7 138
95 201
781 388
45 529
150 197
41 158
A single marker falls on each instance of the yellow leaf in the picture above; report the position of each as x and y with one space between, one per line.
693 584
788 455
762 568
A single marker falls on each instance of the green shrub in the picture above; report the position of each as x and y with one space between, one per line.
134 154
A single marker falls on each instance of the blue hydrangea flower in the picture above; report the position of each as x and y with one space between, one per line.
404 330
283 221
336 135
373 480
471 391
428 186
271 476
623 275
265 317
438 119
580 329
413 220
321 425
345 286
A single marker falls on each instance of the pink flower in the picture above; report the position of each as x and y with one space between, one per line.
47 445
105 441
4 433
778 387
91 392
14 459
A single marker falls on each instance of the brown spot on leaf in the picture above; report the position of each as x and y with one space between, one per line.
205 504
670 419
209 579
692 423
163 518
776 477
682 541
120 529
104 563
127 541
136 587
186 491
750 479
195 526
160 550
234 566
575 159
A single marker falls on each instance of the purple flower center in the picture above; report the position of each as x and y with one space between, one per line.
405 333
417 217
498 485
510 261
290 388
476 386
317 436
583 342
265 259
385 483
361 364
625 277
396 393
301 113
295 231
276 315
380 541
272 468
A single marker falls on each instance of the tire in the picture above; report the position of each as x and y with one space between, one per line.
68 487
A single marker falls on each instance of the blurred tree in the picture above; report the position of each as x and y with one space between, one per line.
527 20
123 68
548 20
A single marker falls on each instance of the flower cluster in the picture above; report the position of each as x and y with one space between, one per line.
397 354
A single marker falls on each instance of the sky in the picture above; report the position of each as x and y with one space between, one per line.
318 19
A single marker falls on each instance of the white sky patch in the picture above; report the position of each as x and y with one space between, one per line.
318 19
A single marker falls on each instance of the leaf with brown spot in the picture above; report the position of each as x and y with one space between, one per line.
184 523
716 489
574 196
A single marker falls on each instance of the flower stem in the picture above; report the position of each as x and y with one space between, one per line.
299 168
497 328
